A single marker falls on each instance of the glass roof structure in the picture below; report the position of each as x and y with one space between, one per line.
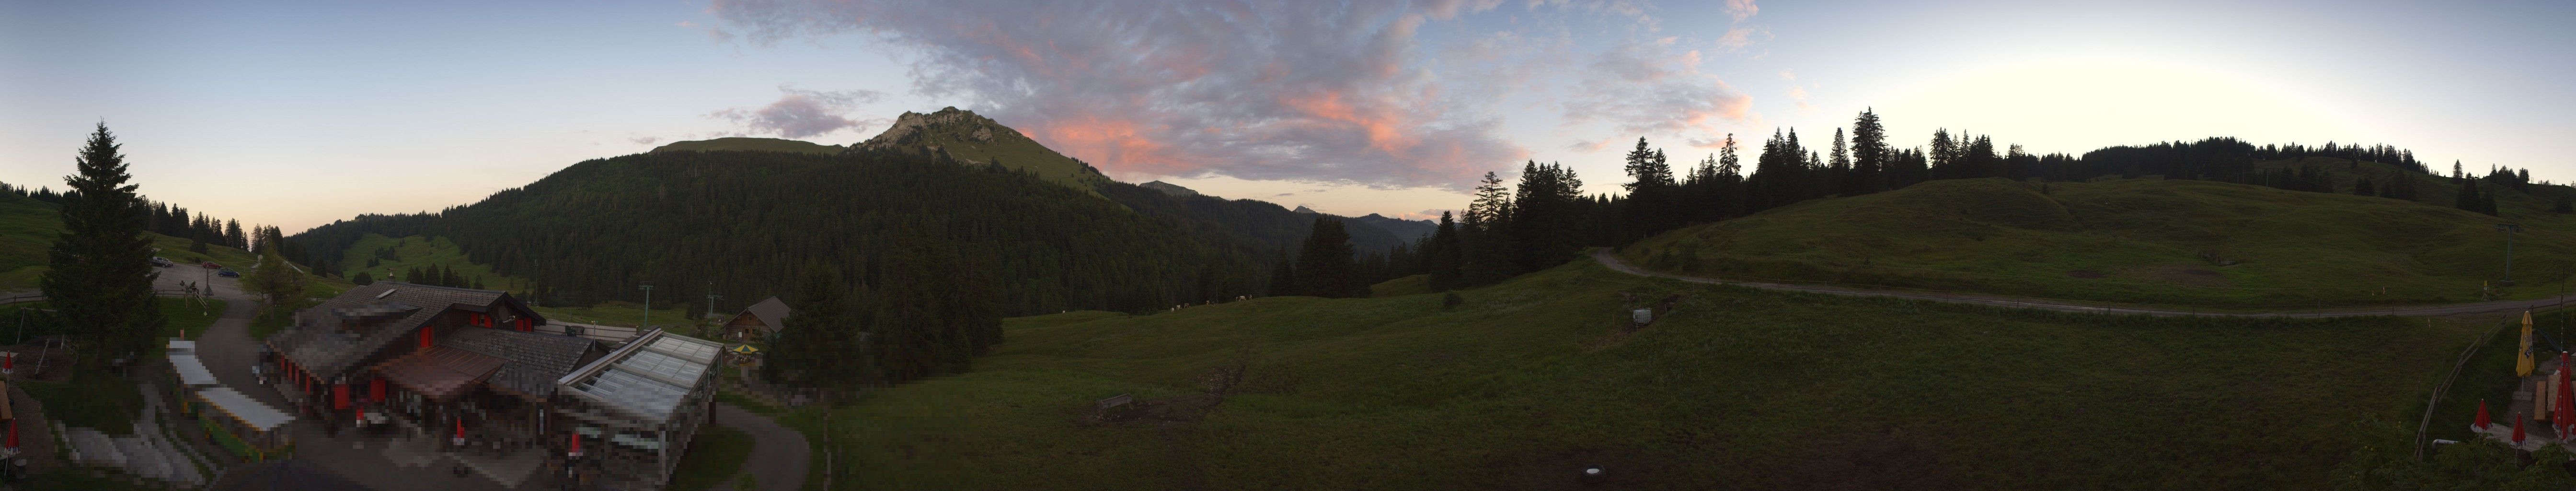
648 378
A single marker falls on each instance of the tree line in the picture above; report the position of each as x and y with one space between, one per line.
1544 220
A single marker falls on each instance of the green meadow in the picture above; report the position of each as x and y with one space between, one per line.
1531 379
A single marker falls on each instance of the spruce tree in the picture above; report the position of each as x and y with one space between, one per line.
1443 257
816 344
1283 276
100 274
1869 152
1326 266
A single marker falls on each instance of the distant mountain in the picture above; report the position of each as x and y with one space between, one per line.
1305 210
750 145
1055 232
1169 188
969 138
1403 229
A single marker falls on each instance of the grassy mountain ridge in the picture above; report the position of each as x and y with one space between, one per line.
971 138
2133 240
747 144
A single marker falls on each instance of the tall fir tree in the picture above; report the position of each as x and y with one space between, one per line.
1283 275
1442 257
1841 164
100 268
1485 238
816 345
1869 152
1648 206
1326 266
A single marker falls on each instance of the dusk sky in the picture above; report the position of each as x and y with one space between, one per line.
297 114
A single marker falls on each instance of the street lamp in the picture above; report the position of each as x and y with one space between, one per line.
2509 229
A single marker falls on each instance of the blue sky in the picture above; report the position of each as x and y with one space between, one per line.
296 114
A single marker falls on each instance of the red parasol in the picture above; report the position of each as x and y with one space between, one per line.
2481 423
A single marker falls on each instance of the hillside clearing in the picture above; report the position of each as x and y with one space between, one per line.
2145 241
1761 389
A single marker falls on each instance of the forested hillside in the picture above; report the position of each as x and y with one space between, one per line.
744 224
751 222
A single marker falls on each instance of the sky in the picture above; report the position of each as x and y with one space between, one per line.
296 114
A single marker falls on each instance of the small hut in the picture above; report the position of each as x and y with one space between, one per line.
245 426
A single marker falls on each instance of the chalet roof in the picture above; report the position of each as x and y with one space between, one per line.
383 312
772 312
441 372
535 360
649 377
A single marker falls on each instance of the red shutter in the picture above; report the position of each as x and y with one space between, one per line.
376 389
340 396
426 337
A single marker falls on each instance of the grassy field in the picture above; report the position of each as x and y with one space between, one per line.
189 317
2136 241
713 457
1531 379
412 252
28 229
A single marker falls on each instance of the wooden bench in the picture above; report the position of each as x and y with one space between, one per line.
1113 402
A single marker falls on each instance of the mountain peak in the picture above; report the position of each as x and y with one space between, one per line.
1304 209
974 139
965 125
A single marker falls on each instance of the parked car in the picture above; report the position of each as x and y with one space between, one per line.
228 273
162 262
211 265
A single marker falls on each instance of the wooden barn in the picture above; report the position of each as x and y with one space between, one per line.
758 321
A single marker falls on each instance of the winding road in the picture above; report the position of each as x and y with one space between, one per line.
1612 261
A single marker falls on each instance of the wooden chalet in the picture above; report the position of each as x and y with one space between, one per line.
428 358
758 320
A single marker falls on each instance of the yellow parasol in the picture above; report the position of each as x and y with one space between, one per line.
2522 359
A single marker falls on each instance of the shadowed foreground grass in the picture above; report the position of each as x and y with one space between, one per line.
1738 388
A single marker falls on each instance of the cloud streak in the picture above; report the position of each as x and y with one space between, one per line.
1314 91
802 113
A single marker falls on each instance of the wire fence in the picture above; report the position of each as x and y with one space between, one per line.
2424 429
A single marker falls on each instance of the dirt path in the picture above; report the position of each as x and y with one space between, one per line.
779 456
1612 261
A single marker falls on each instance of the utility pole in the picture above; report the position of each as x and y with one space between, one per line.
2509 229
648 307
711 297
